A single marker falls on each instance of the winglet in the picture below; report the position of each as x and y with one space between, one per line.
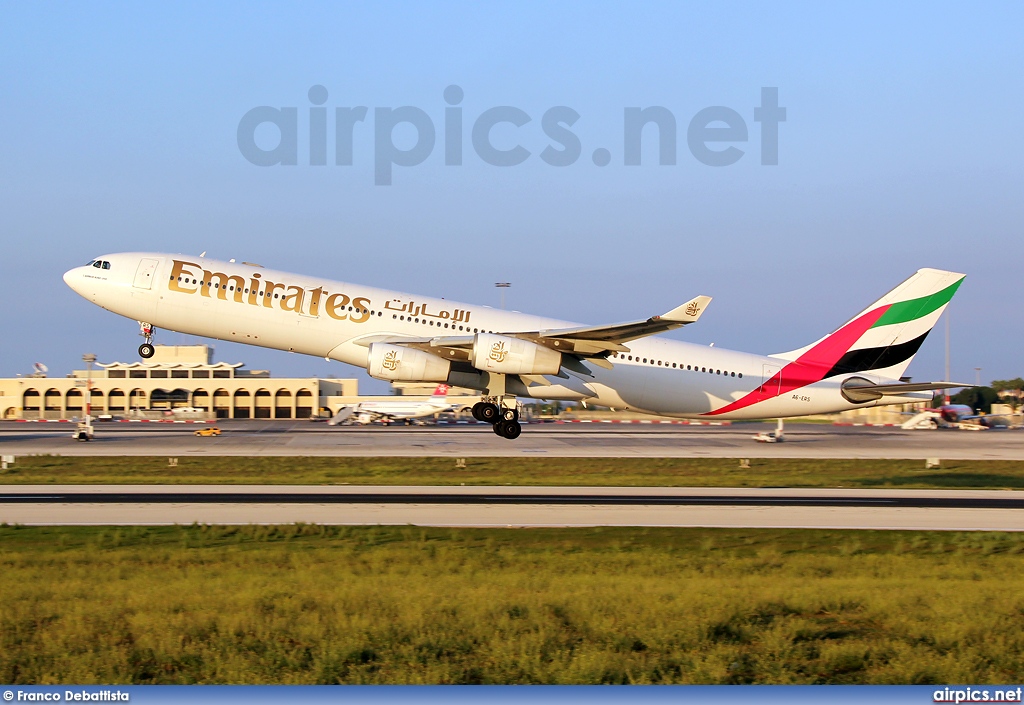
688 312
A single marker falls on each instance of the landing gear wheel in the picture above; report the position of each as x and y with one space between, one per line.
146 351
508 429
489 412
476 411
510 414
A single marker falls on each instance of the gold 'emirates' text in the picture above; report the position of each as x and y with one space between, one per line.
261 292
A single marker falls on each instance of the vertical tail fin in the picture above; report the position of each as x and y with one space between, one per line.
440 392
884 337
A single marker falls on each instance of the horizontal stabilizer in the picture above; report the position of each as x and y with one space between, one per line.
860 390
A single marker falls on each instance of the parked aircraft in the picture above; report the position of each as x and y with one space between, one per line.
957 416
507 355
398 409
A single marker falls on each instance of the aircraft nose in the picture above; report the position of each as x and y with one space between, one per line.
73 278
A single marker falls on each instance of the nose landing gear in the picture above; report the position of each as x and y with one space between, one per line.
146 350
505 419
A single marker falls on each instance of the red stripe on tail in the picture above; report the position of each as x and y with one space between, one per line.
810 367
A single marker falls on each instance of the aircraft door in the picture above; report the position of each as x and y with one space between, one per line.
771 379
144 274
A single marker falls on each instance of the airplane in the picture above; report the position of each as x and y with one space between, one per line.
366 412
507 355
956 416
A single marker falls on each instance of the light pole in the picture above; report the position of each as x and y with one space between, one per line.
945 395
977 376
84 431
502 286
88 359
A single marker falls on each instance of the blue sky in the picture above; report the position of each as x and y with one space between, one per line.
902 148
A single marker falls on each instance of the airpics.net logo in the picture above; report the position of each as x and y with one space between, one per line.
712 134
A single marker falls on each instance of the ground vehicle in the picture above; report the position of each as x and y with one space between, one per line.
208 431
83 431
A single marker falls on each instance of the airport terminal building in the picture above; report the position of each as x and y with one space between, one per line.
175 378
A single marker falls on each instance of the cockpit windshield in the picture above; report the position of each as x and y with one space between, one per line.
99 264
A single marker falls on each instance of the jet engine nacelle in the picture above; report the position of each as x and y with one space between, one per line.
399 363
513 356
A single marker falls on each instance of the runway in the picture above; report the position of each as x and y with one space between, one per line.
994 510
302 438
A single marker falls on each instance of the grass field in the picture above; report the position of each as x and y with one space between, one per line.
310 604
680 472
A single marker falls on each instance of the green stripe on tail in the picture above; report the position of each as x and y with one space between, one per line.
905 311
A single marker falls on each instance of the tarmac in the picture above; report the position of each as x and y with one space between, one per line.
557 440
513 506
972 510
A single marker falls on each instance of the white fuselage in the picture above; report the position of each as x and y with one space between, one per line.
413 409
335 320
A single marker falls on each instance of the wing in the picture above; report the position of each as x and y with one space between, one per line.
610 338
593 343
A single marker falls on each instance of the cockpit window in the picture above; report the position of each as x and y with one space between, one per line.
97 264
106 265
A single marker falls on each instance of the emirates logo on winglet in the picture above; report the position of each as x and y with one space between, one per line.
692 309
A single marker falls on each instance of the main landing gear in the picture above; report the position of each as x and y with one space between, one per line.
505 419
146 350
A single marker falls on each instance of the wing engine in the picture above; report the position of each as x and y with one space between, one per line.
395 362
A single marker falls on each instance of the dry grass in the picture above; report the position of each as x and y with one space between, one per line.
310 604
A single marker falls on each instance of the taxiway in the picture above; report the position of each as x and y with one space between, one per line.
302 438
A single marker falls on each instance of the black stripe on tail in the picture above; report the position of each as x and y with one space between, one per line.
877 358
